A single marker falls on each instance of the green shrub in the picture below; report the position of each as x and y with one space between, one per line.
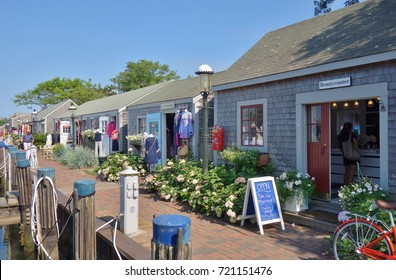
39 139
244 161
79 157
219 193
59 152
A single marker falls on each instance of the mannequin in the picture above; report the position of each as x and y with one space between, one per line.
115 136
151 152
98 143
186 129
111 127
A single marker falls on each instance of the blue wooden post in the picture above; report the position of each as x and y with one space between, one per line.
46 214
84 234
171 237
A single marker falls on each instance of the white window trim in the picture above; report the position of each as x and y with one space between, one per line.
241 104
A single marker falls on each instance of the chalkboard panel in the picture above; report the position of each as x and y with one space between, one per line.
266 200
261 201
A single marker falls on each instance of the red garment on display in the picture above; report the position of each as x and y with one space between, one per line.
110 128
115 135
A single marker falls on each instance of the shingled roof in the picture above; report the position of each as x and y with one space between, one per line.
360 30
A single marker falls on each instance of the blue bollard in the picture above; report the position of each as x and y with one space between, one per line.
23 163
165 229
84 187
47 171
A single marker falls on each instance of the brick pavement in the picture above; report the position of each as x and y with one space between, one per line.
212 239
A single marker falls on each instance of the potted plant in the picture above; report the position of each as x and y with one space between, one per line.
359 196
295 190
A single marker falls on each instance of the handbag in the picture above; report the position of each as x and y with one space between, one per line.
350 150
183 150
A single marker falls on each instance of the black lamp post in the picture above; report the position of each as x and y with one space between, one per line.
72 109
34 116
19 129
205 72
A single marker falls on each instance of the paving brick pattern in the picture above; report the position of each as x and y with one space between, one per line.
212 239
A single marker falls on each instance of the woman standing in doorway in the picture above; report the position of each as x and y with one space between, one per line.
350 165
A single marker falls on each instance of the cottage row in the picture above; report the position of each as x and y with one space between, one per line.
288 95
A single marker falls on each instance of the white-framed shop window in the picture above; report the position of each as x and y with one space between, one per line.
252 124
103 122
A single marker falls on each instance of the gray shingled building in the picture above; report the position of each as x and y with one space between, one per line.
290 94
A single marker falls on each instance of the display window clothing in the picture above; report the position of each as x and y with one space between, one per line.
115 136
176 126
151 148
98 144
186 127
110 128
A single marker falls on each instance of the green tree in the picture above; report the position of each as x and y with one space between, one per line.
58 90
3 121
323 6
142 74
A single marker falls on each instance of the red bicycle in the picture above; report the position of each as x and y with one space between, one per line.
366 238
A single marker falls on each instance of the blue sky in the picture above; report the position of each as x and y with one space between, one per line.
94 39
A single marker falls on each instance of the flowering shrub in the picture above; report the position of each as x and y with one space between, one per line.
295 183
118 162
359 196
219 192
135 138
88 133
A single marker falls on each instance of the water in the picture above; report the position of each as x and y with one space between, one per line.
11 248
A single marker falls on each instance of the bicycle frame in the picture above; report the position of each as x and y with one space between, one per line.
384 234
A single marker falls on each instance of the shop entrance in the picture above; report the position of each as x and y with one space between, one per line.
318 147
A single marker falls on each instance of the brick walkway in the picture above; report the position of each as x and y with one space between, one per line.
212 239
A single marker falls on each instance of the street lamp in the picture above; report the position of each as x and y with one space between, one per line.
205 72
72 109
19 127
34 115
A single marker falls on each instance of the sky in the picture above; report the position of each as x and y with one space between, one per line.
94 39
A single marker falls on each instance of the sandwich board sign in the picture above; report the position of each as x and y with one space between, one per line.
262 202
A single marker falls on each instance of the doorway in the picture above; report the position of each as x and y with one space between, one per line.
318 147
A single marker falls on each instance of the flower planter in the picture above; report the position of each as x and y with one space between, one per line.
262 160
295 205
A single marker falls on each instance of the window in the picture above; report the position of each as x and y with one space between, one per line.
252 124
314 123
103 122
141 125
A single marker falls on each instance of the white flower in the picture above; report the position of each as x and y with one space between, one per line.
283 176
183 161
232 197
170 163
167 197
195 181
230 213
229 204
180 178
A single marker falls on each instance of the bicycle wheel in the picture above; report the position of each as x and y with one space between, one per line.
353 235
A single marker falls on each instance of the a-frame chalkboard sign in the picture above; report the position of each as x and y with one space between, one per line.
261 201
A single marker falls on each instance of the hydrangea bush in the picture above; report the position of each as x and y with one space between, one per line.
219 192
118 162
